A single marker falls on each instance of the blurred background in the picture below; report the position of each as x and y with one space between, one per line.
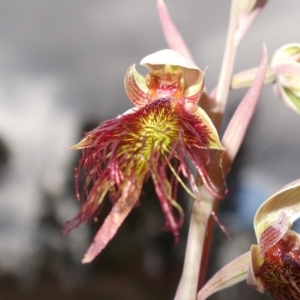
62 65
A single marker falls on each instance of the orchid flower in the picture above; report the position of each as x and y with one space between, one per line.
273 265
120 154
275 261
286 64
166 127
284 72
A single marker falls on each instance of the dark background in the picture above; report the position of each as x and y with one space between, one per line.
62 65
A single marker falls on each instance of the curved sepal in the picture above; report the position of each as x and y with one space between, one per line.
276 215
286 64
290 99
288 86
136 87
193 92
289 75
232 273
214 137
286 52
255 262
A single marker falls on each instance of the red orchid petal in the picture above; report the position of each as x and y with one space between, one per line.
276 215
172 35
232 273
135 87
113 221
255 264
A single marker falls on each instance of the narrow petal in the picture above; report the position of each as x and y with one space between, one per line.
194 90
214 142
92 205
286 64
163 191
237 127
289 84
271 229
256 262
172 35
288 97
245 79
231 274
113 221
136 87
276 215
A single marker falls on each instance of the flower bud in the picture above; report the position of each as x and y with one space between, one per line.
286 64
247 6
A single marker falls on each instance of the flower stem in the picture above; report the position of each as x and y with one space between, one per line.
232 140
202 209
227 65
220 104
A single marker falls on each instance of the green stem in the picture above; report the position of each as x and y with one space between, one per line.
202 208
220 104
206 250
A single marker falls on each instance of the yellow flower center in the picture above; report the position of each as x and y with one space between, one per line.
152 133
